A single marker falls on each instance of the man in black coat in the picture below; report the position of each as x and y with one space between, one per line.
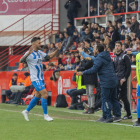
123 69
90 80
135 25
114 35
88 35
72 6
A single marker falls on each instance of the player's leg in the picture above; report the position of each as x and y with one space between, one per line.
44 94
31 105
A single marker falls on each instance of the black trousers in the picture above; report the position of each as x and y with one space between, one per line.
75 93
122 90
9 94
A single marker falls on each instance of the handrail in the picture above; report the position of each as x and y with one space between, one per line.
134 12
26 16
89 17
22 46
24 38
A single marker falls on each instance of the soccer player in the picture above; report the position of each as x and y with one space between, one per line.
34 59
137 78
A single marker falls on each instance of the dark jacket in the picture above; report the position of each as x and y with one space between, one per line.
134 27
72 6
123 9
118 10
86 36
89 79
122 65
71 30
60 40
115 37
138 33
103 66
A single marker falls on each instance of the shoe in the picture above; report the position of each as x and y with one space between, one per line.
25 114
117 119
86 112
85 105
91 111
136 124
101 120
127 117
47 118
108 120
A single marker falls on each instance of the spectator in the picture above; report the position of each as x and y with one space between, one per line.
119 7
14 81
61 37
45 49
101 9
115 24
72 6
110 11
135 25
96 27
123 69
107 42
92 27
126 20
123 9
138 32
68 42
62 59
102 32
77 62
128 40
76 53
114 36
125 47
50 67
102 41
133 60
90 81
109 24
70 29
69 65
72 58
52 48
128 24
88 35
25 67
121 30
105 8
82 30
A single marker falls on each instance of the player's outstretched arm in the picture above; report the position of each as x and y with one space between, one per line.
25 56
55 52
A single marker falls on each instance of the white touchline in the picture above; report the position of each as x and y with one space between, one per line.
66 119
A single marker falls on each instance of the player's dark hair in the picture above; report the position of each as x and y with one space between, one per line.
100 48
34 39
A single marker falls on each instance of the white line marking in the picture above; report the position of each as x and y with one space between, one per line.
66 119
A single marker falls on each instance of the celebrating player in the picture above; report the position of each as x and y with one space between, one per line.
34 60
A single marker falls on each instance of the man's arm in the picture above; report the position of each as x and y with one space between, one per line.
128 66
87 55
25 56
94 68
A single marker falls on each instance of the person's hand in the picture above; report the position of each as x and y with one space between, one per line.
65 30
31 49
59 46
80 49
79 73
88 58
134 79
122 81
129 52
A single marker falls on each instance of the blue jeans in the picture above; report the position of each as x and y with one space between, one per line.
109 101
69 91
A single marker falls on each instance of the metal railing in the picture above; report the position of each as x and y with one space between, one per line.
18 35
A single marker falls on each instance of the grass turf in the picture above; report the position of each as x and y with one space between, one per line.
67 125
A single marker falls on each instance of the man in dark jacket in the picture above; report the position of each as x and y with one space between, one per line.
104 68
119 6
123 69
138 32
70 29
114 35
72 6
88 35
135 25
90 80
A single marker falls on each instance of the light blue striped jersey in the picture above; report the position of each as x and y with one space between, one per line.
34 61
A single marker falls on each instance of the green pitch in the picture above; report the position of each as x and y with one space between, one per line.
67 125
